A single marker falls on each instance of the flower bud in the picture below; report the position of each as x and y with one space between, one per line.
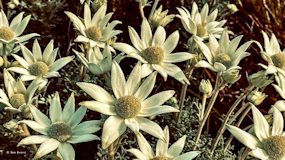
205 87
259 79
256 97
231 76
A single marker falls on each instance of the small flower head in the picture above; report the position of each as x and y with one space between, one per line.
224 54
206 87
61 130
11 33
130 105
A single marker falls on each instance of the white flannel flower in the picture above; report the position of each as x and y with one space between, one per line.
267 143
19 98
201 24
222 55
273 55
37 64
130 104
95 31
11 33
61 130
160 18
97 63
155 52
162 150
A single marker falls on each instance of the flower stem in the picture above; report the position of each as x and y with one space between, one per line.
237 125
218 85
223 127
183 94
5 56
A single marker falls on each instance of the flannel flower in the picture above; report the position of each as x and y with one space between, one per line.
201 24
223 55
155 52
130 105
162 151
95 31
19 98
61 130
273 55
267 143
11 33
35 64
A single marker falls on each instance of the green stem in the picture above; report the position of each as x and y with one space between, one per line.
223 127
218 85
237 125
5 56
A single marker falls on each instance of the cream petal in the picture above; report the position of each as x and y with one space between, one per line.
146 33
259 153
40 117
47 147
246 138
158 99
159 37
36 126
171 42
96 92
189 155
162 147
138 154
261 126
144 146
150 111
66 151
176 148
103 108
118 81
37 52
34 139
113 127
134 79
146 87
132 124
77 117
55 111
87 127
58 64
82 138
178 57
151 128
278 122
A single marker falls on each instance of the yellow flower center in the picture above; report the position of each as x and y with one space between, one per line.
160 158
278 60
275 147
128 106
6 34
153 55
39 68
201 31
94 33
60 131
17 100
224 59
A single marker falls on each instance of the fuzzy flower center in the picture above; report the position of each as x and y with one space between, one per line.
201 31
17 100
94 33
278 60
275 147
128 106
224 59
60 131
6 33
153 55
39 68
160 158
